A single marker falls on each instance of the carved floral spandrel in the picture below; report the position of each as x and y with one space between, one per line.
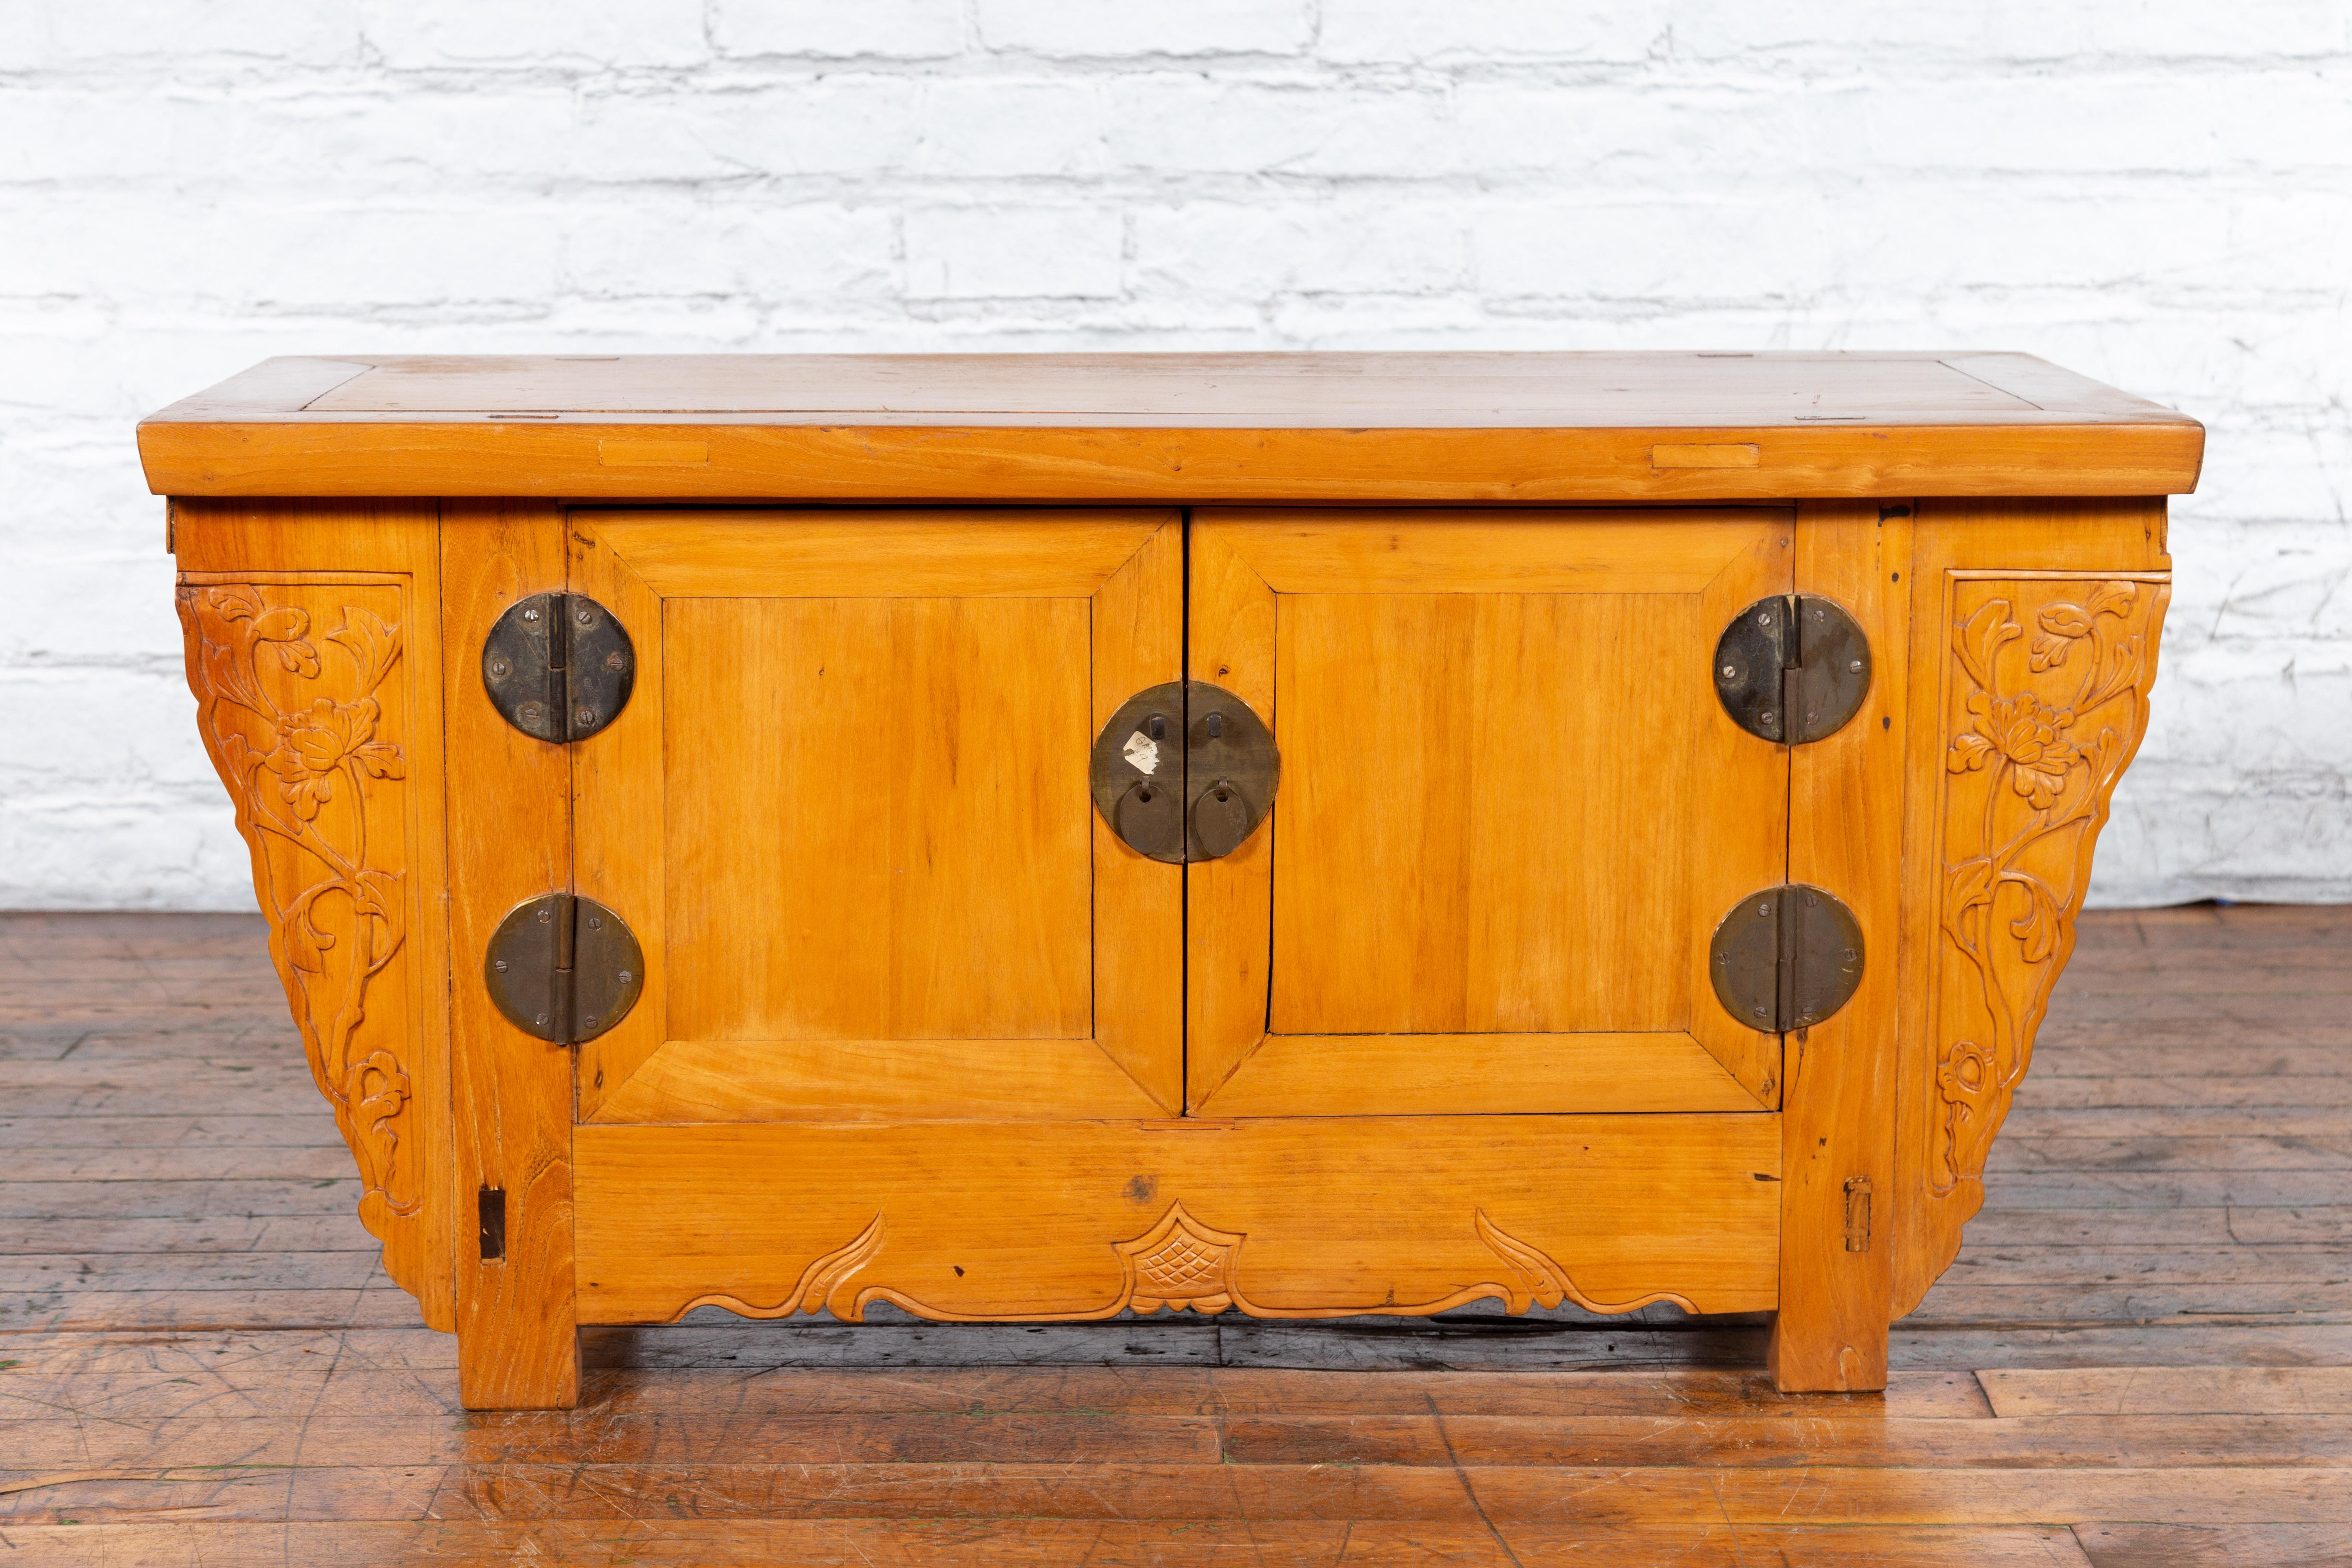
1178 1263
296 735
2048 702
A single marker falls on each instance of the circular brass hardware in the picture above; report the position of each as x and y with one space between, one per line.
563 969
1792 669
1787 960
1185 771
558 667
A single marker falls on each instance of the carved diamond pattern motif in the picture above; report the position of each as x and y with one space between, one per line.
1182 1265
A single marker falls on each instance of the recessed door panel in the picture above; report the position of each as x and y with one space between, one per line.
1512 808
1482 772
860 801
847 815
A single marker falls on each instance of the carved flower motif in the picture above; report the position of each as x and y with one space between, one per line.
314 746
1967 1070
2029 733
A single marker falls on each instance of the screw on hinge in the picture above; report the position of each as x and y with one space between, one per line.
1857 1214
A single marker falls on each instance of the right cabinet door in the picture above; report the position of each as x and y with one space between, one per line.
1512 811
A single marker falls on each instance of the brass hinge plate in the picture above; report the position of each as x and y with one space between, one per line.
563 969
1786 957
1185 771
1793 668
558 667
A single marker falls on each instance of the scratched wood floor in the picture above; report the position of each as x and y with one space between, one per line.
2144 1356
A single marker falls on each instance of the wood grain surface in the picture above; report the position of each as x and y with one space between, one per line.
1273 1218
1510 809
1434 427
848 800
1846 795
2028 690
513 1101
320 703
2142 1355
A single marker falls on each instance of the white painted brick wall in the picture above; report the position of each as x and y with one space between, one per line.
2156 192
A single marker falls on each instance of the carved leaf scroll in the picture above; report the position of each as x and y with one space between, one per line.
1181 1263
2046 700
295 724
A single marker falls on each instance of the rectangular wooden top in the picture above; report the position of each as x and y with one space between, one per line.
1171 427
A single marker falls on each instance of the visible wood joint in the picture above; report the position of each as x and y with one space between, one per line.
1706 454
494 1224
1857 1214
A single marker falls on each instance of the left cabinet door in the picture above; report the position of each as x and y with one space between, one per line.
846 814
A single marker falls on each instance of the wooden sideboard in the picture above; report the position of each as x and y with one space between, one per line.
1034 838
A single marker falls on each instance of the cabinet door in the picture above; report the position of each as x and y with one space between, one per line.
1512 811
845 812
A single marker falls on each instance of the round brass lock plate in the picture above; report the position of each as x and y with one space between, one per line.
1185 771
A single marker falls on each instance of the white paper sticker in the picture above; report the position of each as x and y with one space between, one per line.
1144 752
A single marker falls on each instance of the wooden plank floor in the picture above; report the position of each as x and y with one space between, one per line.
2142 1357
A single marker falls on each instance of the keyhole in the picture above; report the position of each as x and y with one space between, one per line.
1216 728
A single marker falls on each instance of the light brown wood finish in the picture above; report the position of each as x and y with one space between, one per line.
1314 389
847 814
943 552
313 649
2033 639
518 1341
1279 1218
860 808
227 1412
1508 808
615 859
1485 1074
1138 642
1441 427
880 890
1845 835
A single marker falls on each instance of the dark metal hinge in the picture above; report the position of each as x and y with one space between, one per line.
563 969
558 667
1786 957
1792 669
1185 771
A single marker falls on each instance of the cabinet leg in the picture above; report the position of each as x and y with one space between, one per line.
517 1326
1812 1352
1830 1335
504 1371
509 839
1837 1077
